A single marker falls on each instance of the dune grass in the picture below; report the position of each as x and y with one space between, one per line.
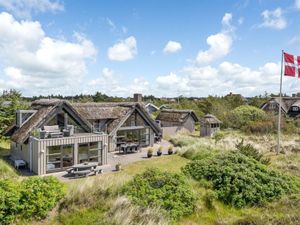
99 200
6 170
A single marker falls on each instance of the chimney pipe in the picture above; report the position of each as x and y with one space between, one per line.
137 97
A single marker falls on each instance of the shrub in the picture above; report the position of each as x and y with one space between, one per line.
245 115
250 151
39 195
261 127
218 136
209 198
168 191
9 200
32 197
239 180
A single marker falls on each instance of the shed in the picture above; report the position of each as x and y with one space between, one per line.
209 125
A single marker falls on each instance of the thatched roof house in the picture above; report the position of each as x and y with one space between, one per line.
289 106
174 120
55 134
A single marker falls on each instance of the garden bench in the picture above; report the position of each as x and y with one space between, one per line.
81 173
70 170
97 170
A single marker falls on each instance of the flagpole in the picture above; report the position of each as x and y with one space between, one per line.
279 110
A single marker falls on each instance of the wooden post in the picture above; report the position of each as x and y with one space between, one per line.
280 103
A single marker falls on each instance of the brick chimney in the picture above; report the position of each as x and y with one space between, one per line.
137 97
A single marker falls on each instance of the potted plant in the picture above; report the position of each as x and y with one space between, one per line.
118 167
170 150
150 153
159 151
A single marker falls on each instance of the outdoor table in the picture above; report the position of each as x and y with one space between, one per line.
84 166
129 147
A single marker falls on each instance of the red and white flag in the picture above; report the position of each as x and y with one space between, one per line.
291 65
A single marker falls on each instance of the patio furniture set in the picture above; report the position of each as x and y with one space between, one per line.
84 170
130 147
56 132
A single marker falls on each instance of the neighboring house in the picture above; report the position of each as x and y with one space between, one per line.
209 125
173 121
54 134
289 106
151 108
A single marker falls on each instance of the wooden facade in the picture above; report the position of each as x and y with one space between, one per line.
176 121
209 125
38 149
95 127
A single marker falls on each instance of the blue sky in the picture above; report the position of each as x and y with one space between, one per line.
164 48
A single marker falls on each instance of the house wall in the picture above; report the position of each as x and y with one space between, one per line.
207 130
170 131
172 128
39 149
19 151
189 124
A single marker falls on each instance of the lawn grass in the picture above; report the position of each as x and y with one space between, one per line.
6 170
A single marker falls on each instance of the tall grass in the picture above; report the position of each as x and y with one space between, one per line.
6 170
125 213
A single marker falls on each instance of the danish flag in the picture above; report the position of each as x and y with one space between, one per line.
291 65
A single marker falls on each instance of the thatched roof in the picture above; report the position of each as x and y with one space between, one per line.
176 116
286 103
98 111
211 119
113 113
22 133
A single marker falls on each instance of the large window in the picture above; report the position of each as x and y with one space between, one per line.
138 136
59 157
90 152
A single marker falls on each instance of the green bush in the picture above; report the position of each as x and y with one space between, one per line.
239 180
261 127
9 200
168 191
245 115
31 198
39 195
250 151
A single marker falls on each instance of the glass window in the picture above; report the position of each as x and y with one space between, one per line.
89 152
59 157
83 152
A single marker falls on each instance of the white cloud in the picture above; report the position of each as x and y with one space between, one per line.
273 19
108 82
172 47
172 85
36 63
123 50
220 80
297 4
220 43
24 8
227 19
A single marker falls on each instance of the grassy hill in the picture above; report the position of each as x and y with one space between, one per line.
100 200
